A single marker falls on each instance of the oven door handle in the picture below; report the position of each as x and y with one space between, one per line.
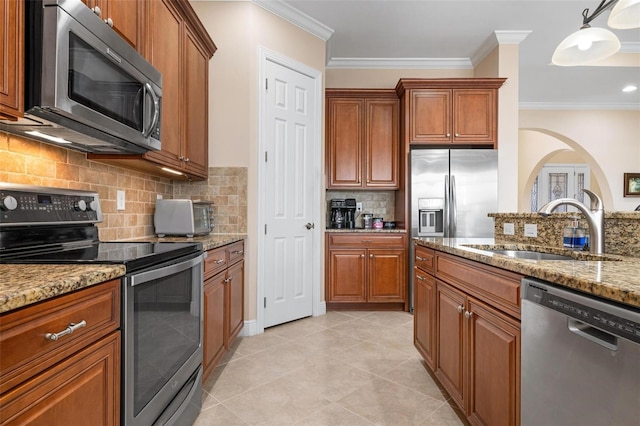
144 277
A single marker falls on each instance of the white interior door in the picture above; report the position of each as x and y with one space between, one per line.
291 189
563 181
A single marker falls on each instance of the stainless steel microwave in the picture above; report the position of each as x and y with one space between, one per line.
85 87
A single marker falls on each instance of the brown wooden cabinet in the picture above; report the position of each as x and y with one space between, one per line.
450 111
177 44
223 302
476 349
124 16
424 296
12 59
362 139
365 270
73 380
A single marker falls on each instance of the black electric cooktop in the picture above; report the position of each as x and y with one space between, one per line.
134 255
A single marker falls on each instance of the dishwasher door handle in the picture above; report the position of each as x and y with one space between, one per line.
597 336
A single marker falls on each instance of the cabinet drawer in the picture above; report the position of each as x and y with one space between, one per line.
24 348
369 240
494 286
215 261
425 258
236 252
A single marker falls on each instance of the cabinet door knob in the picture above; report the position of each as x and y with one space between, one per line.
362 256
460 309
468 314
186 160
448 135
109 22
457 135
370 256
96 10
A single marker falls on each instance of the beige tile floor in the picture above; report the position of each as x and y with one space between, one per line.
343 368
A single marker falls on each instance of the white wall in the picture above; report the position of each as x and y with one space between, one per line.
239 28
609 141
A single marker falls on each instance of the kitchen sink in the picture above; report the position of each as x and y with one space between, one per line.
534 255
541 253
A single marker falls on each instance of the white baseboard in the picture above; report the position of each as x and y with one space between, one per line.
250 328
322 309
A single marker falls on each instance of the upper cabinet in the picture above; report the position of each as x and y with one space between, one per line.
12 59
363 146
178 45
124 16
450 111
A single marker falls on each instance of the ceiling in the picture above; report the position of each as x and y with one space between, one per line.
451 34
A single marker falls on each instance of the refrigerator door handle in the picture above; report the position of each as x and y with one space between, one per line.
445 215
454 208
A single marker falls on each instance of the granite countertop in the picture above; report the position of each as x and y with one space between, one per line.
617 278
24 284
209 242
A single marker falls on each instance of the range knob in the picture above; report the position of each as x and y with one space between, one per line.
80 205
93 206
9 203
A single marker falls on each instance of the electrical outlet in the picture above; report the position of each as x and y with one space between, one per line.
120 200
358 207
158 196
509 229
530 230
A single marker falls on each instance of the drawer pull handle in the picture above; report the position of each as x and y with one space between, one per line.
421 259
367 241
72 327
237 252
218 261
421 278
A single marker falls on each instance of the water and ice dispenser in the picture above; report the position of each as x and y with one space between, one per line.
430 217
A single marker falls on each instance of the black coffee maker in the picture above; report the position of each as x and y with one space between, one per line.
343 213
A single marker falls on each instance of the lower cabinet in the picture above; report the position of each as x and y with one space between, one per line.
366 271
223 302
73 379
467 328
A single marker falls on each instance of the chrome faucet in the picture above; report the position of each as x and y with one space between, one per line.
594 216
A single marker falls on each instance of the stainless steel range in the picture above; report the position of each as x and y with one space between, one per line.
161 320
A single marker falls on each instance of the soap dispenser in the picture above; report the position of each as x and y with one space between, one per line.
574 237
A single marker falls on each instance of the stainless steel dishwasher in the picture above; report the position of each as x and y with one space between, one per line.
580 359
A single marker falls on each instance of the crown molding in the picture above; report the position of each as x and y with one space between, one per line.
578 106
399 63
294 16
494 40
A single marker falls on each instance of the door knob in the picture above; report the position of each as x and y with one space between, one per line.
310 225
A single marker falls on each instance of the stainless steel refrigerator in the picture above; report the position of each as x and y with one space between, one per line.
452 191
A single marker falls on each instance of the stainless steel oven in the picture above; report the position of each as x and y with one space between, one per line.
162 335
161 324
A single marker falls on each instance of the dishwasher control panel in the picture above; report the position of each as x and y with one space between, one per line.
605 320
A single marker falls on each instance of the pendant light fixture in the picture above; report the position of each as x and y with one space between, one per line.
588 44
625 15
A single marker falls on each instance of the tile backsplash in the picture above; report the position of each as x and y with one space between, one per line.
29 162
379 203
227 188
34 163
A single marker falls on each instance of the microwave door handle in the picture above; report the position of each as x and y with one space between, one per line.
156 109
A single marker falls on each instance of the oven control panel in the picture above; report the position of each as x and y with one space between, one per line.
33 205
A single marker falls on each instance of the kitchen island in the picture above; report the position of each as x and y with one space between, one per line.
617 278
